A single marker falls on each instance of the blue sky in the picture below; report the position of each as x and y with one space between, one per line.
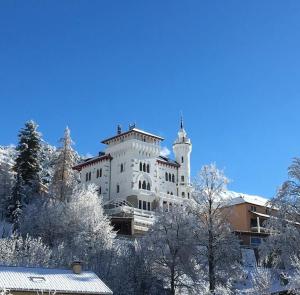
231 67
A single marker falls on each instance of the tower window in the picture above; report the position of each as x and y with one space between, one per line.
97 173
170 177
148 186
140 204
166 176
86 177
100 173
118 188
144 185
182 178
148 168
183 194
182 160
99 190
140 184
141 166
144 167
173 178
122 168
144 205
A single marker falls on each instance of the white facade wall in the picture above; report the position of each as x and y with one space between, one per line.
122 178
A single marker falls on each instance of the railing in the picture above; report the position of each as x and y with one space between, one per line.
259 229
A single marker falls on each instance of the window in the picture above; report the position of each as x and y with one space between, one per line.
171 193
181 159
144 186
144 205
170 177
144 167
99 190
97 173
149 206
173 178
140 184
100 173
148 168
255 241
141 166
183 194
168 192
253 208
140 204
90 175
118 188
166 176
148 186
188 195
122 168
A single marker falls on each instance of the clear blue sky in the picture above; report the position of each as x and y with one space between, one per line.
231 67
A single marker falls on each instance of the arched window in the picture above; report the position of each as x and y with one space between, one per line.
118 188
170 177
97 175
181 159
183 194
140 184
141 166
182 178
148 168
144 167
99 190
122 168
173 178
90 175
144 185
100 173
148 186
166 176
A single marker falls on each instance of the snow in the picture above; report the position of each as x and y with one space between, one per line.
51 279
248 257
235 198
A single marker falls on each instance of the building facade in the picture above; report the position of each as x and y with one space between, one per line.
135 179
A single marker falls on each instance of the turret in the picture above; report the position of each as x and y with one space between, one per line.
182 148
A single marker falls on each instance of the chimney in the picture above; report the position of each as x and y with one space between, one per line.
77 267
119 130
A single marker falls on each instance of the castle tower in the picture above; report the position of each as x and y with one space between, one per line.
182 148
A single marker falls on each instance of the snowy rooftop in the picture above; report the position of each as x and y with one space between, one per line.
51 279
235 198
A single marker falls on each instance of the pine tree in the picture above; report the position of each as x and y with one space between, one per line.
27 167
64 177
6 185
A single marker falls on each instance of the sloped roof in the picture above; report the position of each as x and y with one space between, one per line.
51 279
106 141
168 161
235 198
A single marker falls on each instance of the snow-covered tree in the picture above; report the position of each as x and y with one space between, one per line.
261 281
79 224
27 251
170 249
64 178
282 245
6 187
218 247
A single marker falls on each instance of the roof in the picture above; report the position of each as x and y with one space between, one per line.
51 279
106 141
235 198
91 161
167 161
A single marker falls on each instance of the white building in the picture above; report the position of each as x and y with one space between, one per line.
134 179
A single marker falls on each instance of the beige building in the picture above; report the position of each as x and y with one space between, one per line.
247 215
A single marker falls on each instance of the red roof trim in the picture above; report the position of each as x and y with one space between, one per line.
92 161
167 164
131 131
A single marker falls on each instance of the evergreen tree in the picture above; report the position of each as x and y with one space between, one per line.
64 177
6 185
27 167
